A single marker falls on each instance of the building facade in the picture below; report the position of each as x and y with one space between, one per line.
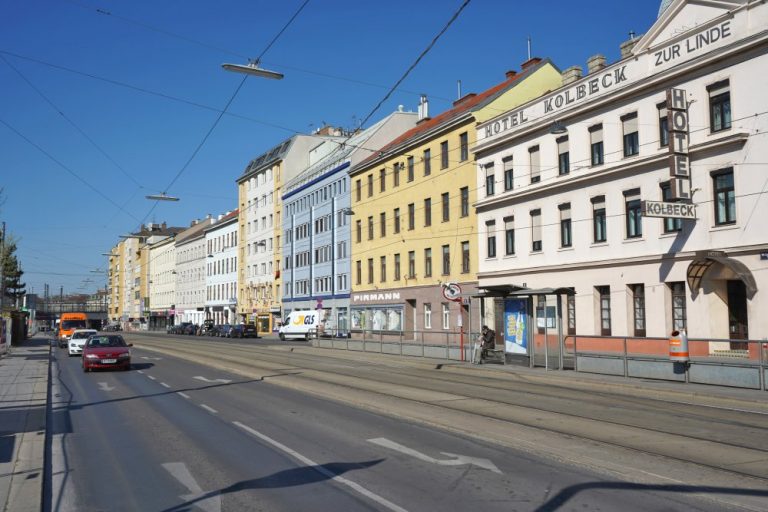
191 259
161 286
414 230
221 269
316 233
628 202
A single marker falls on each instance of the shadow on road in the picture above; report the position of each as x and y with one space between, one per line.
288 478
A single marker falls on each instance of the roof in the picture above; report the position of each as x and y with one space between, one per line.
465 105
274 154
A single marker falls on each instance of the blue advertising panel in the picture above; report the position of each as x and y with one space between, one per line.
516 326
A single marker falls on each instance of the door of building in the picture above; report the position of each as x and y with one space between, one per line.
737 314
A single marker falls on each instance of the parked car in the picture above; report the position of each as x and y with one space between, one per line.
77 341
106 351
112 327
243 331
223 331
179 328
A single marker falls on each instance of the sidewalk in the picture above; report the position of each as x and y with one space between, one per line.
23 401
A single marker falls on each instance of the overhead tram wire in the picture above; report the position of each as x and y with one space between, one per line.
221 113
71 122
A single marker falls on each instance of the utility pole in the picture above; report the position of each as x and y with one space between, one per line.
2 268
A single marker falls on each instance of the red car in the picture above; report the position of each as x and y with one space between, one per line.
106 351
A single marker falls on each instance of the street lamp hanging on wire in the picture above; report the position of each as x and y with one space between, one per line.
252 68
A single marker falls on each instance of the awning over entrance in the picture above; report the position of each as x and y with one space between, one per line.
699 267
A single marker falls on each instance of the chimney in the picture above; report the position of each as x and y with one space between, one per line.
530 62
163 225
595 63
510 74
571 74
423 108
464 98
627 46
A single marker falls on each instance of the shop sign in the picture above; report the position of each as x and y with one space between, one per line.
668 210
370 297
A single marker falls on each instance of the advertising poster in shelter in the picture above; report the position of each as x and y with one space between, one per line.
515 326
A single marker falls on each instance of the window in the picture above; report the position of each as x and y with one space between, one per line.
382 180
359 265
599 233
465 257
509 236
679 313
428 262
563 156
631 139
663 125
633 215
359 230
446 200
444 155
370 270
383 268
463 146
464 193
427 212
410 168
427 162
411 264
490 229
725 198
396 220
604 295
411 216
370 228
508 174
536 230
489 179
359 189
596 144
397 267
533 154
446 315
427 316
719 106
370 185
670 225
446 260
383 224
396 174
638 308
565 225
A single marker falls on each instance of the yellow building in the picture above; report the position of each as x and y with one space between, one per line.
414 228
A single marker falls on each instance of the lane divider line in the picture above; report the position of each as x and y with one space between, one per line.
165 385
320 469
140 371
183 395
151 377
209 409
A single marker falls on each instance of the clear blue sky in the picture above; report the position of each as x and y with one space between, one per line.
119 78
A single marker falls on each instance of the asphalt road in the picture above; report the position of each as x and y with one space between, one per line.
207 434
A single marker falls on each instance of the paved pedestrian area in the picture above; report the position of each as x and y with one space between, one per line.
23 401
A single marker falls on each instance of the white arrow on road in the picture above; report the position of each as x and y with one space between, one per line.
210 503
105 387
457 460
152 358
221 381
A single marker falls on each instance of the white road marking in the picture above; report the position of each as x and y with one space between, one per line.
209 409
221 381
183 394
320 469
180 472
105 387
152 358
165 385
457 460
140 371
151 377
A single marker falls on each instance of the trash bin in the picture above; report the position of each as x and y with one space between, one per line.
678 347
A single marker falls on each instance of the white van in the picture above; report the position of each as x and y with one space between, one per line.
300 324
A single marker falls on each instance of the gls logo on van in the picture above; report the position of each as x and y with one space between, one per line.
306 320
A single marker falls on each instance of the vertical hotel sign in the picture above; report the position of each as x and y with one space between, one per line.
679 163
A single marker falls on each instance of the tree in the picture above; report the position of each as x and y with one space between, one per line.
11 283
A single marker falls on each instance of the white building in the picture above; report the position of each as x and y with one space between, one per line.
560 204
191 259
221 270
161 286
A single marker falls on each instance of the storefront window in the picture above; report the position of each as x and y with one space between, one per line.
377 318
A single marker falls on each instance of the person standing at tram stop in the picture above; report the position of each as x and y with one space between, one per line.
488 338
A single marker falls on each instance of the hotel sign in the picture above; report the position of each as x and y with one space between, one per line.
668 210
679 164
